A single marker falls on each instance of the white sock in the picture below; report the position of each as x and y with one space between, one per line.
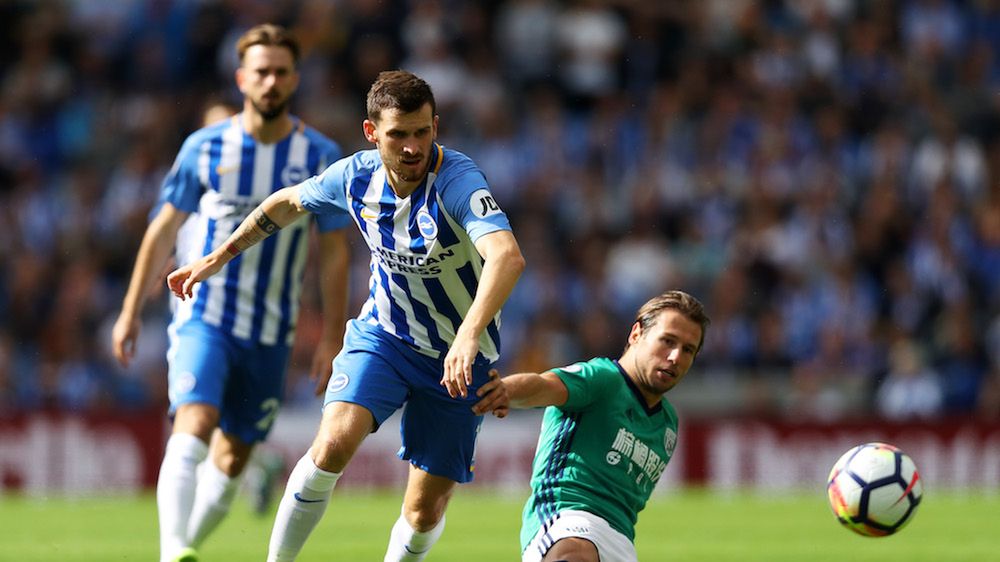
212 501
175 490
306 497
409 545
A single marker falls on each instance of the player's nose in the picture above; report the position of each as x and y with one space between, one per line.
674 355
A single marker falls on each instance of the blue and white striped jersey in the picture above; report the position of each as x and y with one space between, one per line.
424 267
220 175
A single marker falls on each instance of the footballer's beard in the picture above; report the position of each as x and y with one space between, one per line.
273 112
406 171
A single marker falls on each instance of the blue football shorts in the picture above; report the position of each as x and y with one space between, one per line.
382 373
243 379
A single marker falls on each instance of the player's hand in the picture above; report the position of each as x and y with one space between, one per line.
322 364
181 282
458 366
494 397
123 338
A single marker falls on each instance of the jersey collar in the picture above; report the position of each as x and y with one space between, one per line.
437 158
637 393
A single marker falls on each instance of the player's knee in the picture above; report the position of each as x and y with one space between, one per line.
231 465
423 518
196 419
425 511
231 456
343 429
331 454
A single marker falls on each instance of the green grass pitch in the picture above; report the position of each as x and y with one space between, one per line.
483 526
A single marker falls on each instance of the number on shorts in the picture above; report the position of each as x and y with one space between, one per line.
270 409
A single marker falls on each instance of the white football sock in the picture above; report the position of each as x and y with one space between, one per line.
306 497
175 490
409 545
212 501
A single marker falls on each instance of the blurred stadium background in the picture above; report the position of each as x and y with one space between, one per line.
824 175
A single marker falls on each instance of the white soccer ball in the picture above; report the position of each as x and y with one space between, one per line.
874 489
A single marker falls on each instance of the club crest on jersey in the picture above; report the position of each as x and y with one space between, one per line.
425 223
338 383
182 384
482 204
669 440
293 174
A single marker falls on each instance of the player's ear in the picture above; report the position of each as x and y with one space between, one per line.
635 333
435 128
239 78
368 126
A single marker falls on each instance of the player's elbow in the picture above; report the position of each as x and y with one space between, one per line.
283 206
513 261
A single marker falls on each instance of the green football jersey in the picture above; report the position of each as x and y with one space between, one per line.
603 451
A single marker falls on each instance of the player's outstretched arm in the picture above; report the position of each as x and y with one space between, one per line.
523 390
503 264
157 243
280 209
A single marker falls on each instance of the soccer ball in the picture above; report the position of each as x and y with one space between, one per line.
874 489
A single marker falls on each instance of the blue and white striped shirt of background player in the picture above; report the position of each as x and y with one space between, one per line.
220 175
425 268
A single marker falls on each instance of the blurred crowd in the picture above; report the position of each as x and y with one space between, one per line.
823 174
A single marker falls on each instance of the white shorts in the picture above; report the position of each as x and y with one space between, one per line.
612 546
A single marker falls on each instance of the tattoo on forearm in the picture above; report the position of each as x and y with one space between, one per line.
265 223
248 235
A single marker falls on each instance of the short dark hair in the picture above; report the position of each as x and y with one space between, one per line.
398 89
676 300
269 35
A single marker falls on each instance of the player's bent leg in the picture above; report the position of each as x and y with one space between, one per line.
572 549
343 428
230 453
177 482
426 498
422 518
196 419
218 481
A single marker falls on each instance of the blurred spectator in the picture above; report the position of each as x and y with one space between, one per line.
960 357
910 389
525 39
590 37
946 156
824 175
932 28
428 38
